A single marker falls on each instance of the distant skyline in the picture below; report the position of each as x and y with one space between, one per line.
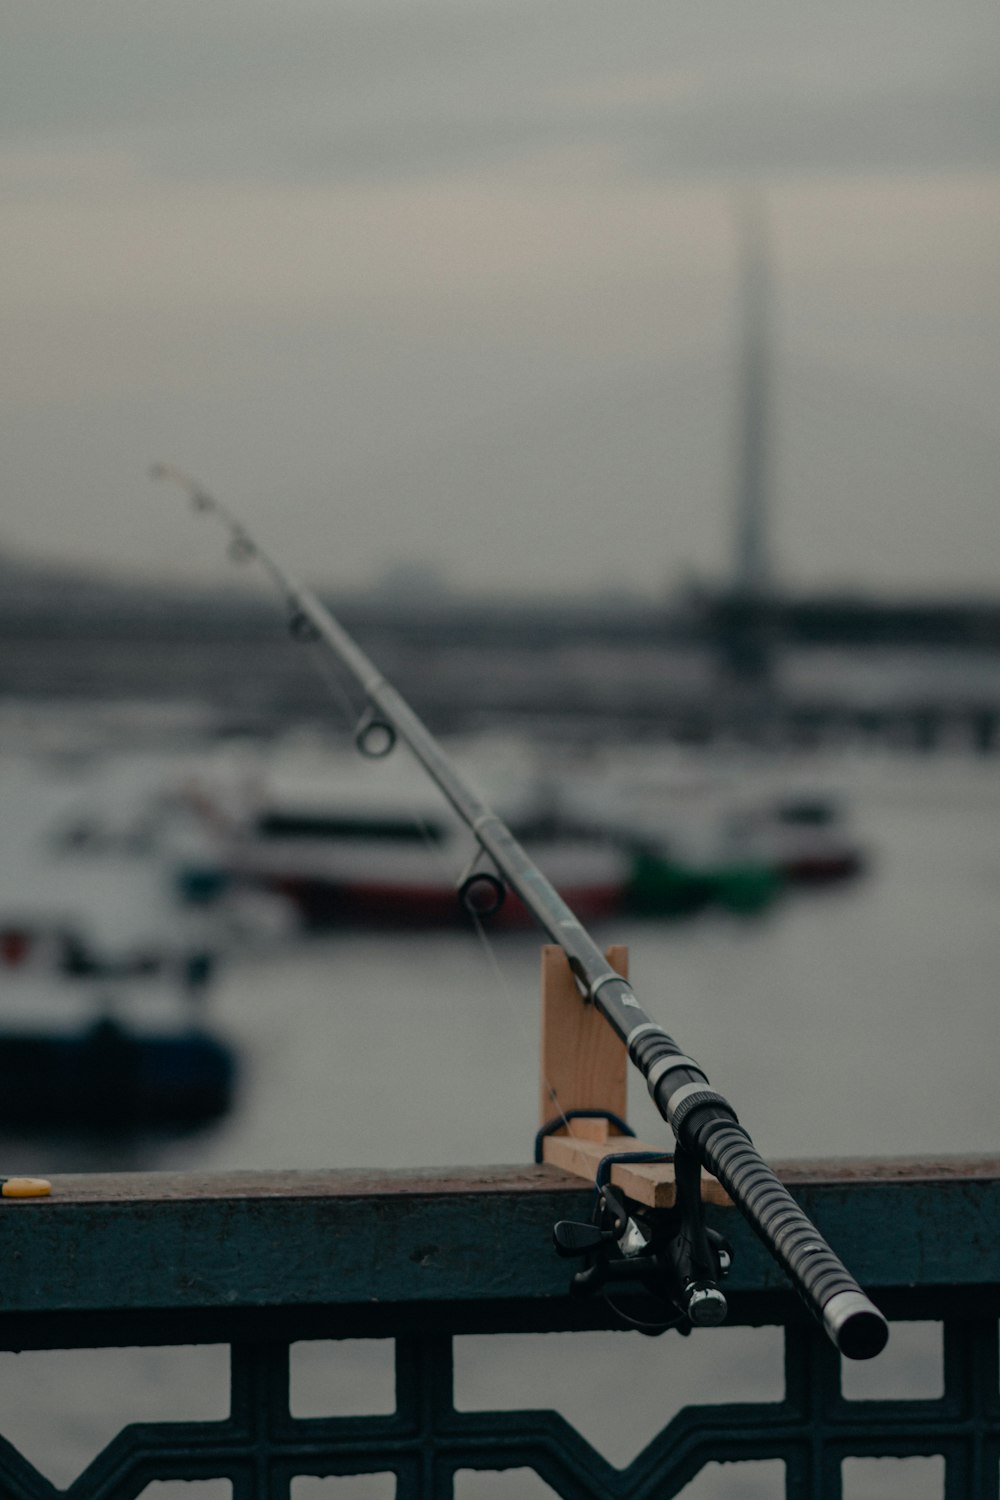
454 286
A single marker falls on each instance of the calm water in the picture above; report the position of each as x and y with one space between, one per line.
859 1020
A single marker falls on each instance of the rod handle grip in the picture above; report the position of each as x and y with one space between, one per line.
851 1319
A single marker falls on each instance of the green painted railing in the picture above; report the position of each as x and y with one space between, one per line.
260 1261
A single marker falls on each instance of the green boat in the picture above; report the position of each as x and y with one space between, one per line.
662 886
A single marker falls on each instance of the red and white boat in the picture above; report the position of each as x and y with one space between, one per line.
808 840
386 861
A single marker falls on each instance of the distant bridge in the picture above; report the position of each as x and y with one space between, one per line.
910 674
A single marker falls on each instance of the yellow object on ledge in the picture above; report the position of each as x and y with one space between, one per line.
24 1187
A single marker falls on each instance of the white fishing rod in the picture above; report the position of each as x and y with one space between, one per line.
705 1125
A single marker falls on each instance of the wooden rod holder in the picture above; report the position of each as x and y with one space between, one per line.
584 1065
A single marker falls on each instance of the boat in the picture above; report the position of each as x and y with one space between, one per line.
93 1040
807 838
685 857
377 862
742 884
42 942
104 1075
340 853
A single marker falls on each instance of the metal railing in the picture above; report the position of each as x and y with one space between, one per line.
260 1261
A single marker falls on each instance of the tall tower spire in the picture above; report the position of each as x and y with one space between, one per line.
752 564
746 637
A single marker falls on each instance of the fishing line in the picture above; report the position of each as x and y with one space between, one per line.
334 681
503 987
243 549
491 958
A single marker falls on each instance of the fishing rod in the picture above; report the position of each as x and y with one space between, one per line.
704 1123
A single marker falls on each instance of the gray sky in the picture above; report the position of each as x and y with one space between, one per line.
410 281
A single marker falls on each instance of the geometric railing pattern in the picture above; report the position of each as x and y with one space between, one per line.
261 1447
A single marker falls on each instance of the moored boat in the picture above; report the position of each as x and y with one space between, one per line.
341 860
34 943
106 1041
383 862
807 838
107 1076
665 887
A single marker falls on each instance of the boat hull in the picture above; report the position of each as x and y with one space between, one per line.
324 904
109 1079
405 887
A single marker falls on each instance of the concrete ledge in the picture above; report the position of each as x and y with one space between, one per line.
336 1250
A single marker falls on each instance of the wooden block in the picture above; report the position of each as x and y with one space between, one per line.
584 1065
594 1130
649 1183
583 1061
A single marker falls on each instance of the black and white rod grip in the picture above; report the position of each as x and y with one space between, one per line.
706 1126
851 1319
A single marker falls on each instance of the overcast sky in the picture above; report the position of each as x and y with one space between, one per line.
458 285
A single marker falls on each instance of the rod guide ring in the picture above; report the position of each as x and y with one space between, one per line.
374 736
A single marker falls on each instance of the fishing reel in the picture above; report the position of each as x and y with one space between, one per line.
671 1254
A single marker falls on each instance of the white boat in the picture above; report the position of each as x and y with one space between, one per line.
808 839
